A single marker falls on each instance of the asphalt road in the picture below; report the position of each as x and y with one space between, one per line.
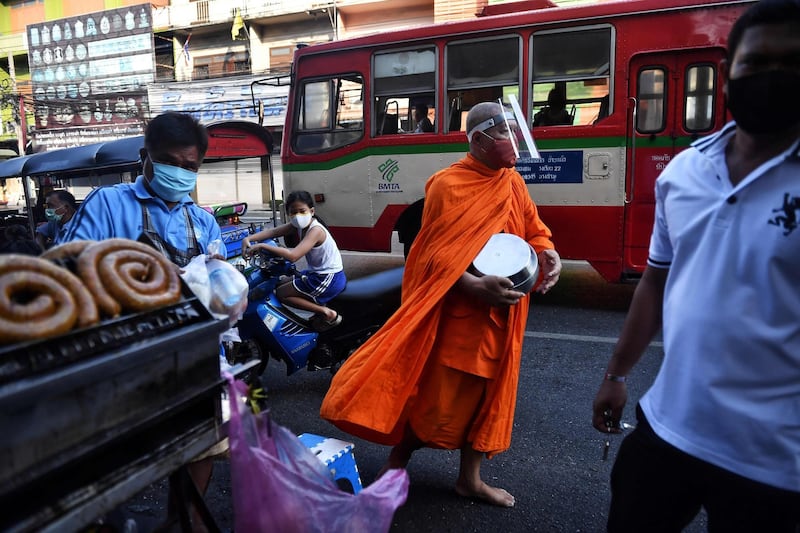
554 466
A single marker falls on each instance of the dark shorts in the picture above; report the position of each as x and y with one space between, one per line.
320 288
655 487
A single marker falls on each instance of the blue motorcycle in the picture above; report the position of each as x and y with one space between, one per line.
272 330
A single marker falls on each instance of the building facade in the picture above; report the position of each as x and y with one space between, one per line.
192 41
72 73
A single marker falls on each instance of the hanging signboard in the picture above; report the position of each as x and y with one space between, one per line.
221 99
89 75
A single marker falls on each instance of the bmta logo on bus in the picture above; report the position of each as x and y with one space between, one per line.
388 169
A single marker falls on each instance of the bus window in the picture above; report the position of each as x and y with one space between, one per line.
403 80
699 94
571 76
317 129
651 97
480 71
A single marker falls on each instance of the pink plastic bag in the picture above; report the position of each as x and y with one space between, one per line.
280 486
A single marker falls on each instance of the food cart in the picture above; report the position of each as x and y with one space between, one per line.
90 418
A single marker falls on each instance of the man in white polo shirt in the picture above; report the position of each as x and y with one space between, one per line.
720 427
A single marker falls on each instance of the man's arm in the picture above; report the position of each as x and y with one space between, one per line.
43 235
641 324
93 221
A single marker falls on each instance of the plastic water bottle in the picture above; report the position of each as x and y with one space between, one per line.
223 288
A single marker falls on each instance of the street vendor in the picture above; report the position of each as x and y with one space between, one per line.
158 206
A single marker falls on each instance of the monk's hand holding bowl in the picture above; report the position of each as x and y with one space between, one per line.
494 290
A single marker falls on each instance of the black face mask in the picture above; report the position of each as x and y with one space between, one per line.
765 102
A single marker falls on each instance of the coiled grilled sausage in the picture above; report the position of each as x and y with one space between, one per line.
67 250
39 299
126 275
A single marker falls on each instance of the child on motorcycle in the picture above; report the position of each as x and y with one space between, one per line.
324 278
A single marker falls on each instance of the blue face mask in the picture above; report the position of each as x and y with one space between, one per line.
52 216
172 183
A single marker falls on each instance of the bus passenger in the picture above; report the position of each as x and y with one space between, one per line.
424 124
555 112
719 429
603 111
324 279
442 372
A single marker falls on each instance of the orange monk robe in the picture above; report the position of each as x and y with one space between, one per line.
464 205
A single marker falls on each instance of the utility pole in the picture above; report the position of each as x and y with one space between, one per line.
20 125
22 134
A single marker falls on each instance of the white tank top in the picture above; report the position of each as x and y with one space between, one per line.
323 258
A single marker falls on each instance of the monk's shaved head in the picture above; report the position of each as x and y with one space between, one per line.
481 112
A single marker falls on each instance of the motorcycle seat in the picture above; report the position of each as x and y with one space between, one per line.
373 285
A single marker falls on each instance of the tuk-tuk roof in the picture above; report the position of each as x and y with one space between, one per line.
87 158
226 140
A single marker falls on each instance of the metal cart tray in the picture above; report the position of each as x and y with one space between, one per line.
71 396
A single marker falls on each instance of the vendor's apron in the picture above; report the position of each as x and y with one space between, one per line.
182 258
179 257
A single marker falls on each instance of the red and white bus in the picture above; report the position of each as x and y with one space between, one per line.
640 78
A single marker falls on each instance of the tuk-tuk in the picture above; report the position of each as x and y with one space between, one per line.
228 140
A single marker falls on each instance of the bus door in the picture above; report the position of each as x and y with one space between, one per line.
673 98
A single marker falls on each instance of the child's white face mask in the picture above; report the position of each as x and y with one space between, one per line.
301 221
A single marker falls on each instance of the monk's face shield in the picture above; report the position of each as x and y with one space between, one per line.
503 126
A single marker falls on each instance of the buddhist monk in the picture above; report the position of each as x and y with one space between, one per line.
443 371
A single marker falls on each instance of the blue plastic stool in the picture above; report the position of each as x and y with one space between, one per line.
337 455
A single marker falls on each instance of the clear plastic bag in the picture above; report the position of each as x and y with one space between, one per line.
228 290
218 285
280 486
195 275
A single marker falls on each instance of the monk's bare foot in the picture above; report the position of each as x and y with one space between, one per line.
383 470
388 466
398 458
493 495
